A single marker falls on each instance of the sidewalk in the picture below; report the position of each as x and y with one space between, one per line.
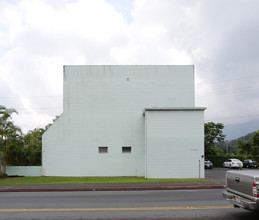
209 184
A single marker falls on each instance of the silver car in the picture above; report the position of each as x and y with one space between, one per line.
233 163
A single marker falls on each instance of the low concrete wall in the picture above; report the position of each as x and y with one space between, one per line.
24 170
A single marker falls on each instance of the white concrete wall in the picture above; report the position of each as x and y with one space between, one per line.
103 106
175 144
24 170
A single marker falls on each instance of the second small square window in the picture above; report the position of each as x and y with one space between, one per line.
126 149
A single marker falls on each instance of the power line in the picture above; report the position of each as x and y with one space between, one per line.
45 108
236 79
230 91
29 97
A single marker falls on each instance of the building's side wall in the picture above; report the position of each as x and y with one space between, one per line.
175 144
103 106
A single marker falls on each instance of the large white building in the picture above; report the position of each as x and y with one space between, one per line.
127 121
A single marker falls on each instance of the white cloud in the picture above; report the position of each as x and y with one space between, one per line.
38 37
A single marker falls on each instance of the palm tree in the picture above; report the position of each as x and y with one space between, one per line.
8 133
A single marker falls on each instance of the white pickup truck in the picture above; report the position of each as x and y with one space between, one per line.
242 189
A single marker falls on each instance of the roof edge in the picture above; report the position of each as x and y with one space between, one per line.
174 109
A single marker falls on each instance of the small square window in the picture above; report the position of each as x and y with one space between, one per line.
126 149
103 150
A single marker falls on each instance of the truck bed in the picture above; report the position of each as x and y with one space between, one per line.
242 187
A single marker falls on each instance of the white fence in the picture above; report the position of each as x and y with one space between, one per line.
24 170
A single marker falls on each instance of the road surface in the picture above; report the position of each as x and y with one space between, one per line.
170 204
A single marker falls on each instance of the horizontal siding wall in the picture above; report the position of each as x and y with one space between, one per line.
24 170
174 144
103 106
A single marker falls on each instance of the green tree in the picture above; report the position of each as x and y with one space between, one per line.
244 147
249 148
15 152
9 133
254 151
255 138
33 146
255 143
213 132
15 148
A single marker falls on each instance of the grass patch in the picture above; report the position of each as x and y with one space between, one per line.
58 180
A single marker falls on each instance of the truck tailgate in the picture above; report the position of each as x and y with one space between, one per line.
241 181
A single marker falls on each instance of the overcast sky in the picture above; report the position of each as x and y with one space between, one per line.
38 37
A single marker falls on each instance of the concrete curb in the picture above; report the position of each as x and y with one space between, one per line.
112 188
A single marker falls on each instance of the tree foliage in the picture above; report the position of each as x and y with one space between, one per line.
213 132
9 134
249 148
255 138
16 148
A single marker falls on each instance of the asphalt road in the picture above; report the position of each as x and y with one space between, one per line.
219 173
170 204
216 173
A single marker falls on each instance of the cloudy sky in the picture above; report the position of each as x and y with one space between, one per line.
38 37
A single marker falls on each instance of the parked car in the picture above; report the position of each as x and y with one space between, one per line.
248 163
208 164
233 163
